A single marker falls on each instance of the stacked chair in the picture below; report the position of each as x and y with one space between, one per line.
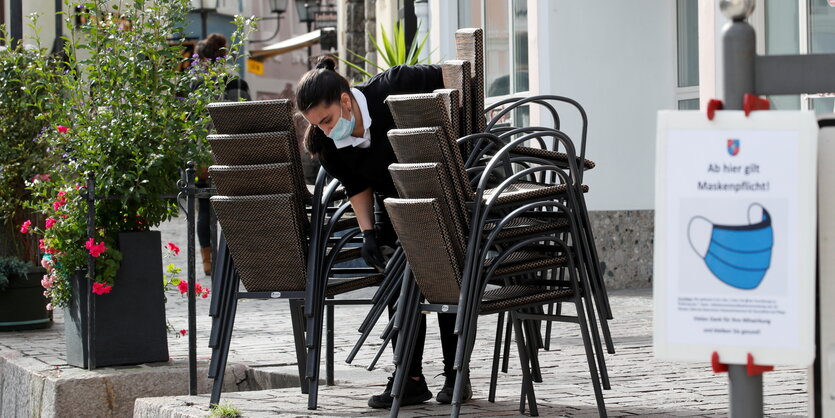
281 239
492 225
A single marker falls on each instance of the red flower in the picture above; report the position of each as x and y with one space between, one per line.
61 194
95 249
183 286
50 222
173 248
101 288
62 129
205 293
198 288
79 186
25 227
42 177
64 216
41 245
183 332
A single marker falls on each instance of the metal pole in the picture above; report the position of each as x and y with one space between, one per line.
204 31
91 272
192 310
739 50
16 22
309 47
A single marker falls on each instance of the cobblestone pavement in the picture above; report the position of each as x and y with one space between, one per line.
640 385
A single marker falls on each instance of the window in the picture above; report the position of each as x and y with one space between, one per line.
782 32
687 19
505 24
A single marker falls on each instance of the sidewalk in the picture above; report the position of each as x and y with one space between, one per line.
262 340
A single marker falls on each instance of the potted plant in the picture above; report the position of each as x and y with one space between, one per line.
122 111
22 158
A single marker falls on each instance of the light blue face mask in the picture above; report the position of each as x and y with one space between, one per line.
739 255
342 130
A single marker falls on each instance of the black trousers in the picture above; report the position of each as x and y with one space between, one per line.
449 341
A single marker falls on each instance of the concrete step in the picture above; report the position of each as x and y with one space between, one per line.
31 388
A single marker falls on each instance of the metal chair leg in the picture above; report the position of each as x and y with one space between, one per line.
217 385
296 316
497 352
329 372
527 380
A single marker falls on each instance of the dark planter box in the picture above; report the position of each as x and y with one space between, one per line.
129 322
23 305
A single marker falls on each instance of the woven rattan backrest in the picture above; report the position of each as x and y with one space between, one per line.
428 110
429 181
452 104
266 240
252 117
260 148
251 180
428 247
469 46
457 75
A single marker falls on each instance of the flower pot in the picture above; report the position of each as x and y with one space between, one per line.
129 322
23 305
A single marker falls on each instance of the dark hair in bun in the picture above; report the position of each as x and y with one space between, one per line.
211 48
319 86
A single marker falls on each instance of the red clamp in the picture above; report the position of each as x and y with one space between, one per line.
750 103
753 369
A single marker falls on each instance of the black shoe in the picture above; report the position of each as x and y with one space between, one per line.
445 395
414 392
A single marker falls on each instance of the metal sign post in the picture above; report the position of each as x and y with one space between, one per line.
745 72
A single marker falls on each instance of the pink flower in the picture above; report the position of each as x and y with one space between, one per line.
50 222
45 263
49 308
198 288
79 186
183 286
205 294
94 248
101 288
62 129
25 227
46 282
173 248
58 203
41 245
183 332
42 177
62 193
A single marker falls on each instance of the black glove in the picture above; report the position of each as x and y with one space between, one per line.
371 250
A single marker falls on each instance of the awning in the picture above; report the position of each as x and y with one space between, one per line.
292 44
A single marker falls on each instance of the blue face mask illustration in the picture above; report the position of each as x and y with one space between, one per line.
739 255
342 130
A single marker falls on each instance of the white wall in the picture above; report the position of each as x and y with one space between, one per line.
618 59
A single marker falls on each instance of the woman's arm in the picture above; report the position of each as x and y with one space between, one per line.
363 204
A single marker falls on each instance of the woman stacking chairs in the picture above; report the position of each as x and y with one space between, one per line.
517 230
280 235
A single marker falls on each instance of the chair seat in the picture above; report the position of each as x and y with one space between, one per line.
526 226
560 158
526 261
339 286
525 191
508 297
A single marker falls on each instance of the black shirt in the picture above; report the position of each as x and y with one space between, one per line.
361 168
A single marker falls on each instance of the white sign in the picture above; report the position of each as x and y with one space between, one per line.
735 218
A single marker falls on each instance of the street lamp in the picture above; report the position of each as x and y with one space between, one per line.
307 14
278 6
204 7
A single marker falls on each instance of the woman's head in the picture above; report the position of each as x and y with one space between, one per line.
211 48
323 97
